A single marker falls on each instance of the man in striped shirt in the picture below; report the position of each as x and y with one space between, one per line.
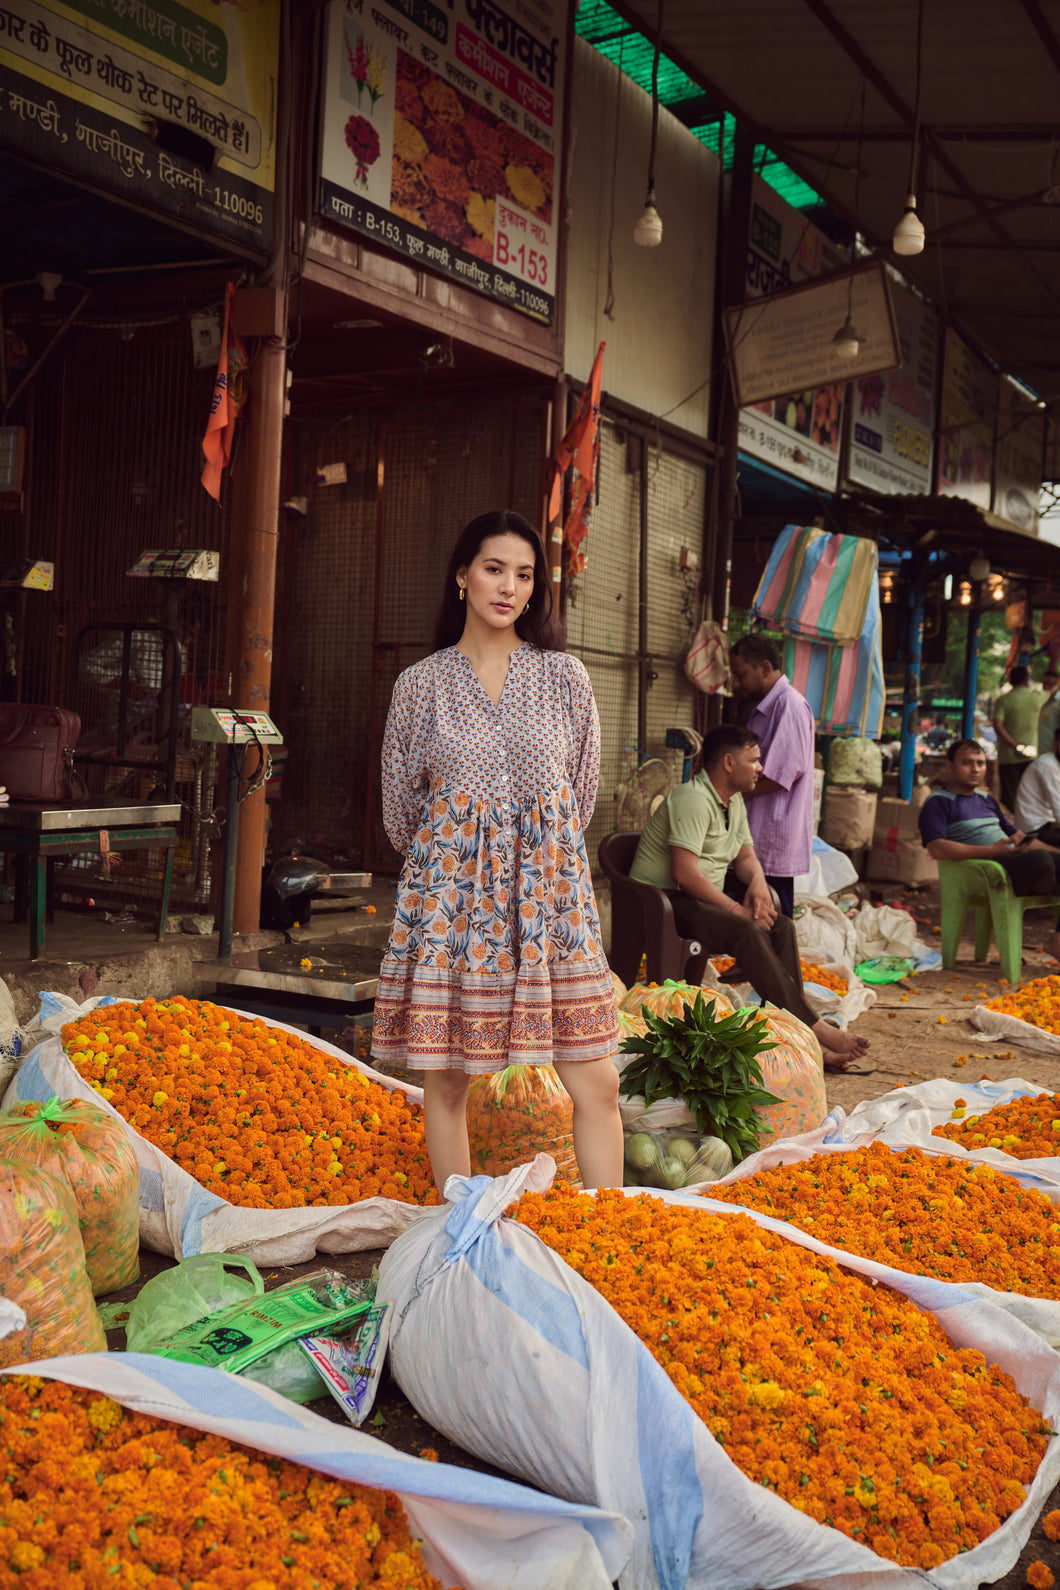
780 807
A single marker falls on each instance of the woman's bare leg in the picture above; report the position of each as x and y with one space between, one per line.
593 1087
445 1124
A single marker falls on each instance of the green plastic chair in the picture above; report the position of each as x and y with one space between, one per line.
985 886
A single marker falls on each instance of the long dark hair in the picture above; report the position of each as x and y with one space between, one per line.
538 624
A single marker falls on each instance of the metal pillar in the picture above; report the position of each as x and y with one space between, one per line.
971 674
253 672
914 646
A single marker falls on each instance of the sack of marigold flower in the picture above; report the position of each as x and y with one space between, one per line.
250 1136
921 1209
221 1480
85 1146
516 1113
761 1412
1029 1016
42 1267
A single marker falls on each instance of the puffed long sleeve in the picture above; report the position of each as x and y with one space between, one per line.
401 780
584 769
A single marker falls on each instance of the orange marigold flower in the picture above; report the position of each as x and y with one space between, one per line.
1051 1524
1039 1577
1027 1128
142 1502
234 1101
837 1394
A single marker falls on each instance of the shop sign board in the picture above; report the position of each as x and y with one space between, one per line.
967 416
86 85
798 433
1018 457
442 132
892 414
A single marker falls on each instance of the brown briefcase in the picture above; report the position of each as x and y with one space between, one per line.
37 752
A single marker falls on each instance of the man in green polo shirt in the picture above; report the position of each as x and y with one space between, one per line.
1016 715
697 846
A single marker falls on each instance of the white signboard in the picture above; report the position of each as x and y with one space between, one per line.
442 131
798 434
892 416
1018 457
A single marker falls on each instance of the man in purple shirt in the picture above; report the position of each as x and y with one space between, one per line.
780 807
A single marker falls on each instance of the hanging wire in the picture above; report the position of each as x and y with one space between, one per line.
915 150
655 97
609 301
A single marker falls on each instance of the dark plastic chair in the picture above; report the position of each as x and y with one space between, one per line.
642 922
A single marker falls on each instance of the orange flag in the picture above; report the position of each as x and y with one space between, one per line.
580 447
225 404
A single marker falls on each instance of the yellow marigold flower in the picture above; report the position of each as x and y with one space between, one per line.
159 1098
306 964
25 1556
104 1414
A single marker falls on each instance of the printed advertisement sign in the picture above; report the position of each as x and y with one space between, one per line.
892 416
105 90
1018 457
442 134
966 423
798 434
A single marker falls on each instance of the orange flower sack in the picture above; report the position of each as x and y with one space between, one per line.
670 998
794 1071
91 1151
784 1418
516 1113
250 1136
42 1267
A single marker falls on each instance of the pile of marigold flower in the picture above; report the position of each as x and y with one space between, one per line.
841 1396
811 973
924 1213
257 1115
1037 1002
94 1495
1027 1128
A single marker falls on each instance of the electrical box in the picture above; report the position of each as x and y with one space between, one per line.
177 563
230 726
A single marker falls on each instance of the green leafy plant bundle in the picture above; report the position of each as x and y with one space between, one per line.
710 1062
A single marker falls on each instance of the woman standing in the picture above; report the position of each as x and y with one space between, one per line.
490 763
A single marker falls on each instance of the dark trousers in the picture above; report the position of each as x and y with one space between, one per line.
1033 871
784 888
1049 835
1009 774
768 959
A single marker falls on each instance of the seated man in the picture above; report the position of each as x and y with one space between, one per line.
961 823
687 847
1038 797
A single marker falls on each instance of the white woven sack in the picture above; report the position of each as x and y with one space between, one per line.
177 1215
503 1347
478 1531
997 1026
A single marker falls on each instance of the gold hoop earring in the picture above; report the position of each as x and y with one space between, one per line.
461 588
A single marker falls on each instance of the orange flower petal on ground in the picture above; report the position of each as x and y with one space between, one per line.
1037 1002
923 1213
94 1496
841 1396
256 1114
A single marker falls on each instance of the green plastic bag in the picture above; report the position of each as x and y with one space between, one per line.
199 1312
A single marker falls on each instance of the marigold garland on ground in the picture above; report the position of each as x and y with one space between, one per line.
841 1396
94 1496
1026 1128
925 1213
811 973
258 1115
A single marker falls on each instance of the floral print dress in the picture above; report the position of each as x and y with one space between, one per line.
494 954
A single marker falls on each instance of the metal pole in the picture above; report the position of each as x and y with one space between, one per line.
228 873
911 703
261 534
971 673
642 608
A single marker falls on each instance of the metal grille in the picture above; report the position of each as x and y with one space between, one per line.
603 608
362 581
116 423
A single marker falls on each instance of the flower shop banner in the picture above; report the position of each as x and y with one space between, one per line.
893 413
442 134
80 83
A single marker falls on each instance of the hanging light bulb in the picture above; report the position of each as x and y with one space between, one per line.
979 567
909 233
966 594
649 228
847 340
